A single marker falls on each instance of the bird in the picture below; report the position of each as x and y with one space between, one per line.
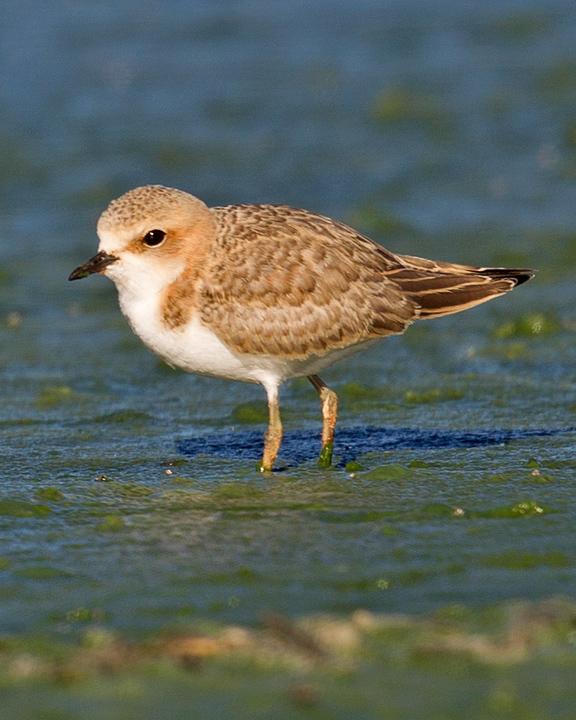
264 293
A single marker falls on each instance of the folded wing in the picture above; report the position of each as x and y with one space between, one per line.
289 283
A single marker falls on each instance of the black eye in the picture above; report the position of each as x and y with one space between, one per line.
153 238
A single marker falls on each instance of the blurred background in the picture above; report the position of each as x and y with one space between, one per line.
423 116
440 128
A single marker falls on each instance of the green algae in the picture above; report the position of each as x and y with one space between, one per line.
363 585
559 78
428 511
529 325
509 350
111 524
83 615
42 572
237 491
412 577
105 490
250 413
530 474
54 396
499 478
356 391
518 26
523 509
128 489
181 480
349 516
376 585
559 464
180 499
177 462
435 510
21 422
394 471
517 560
400 105
51 494
6 278
325 459
22 509
121 417
570 134
389 531
241 575
433 395
13 320
540 478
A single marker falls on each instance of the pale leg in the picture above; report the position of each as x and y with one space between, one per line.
273 437
329 401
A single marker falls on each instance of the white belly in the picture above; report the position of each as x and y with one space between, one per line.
195 348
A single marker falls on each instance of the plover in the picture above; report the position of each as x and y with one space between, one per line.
265 293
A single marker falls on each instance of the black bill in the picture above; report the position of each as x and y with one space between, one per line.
95 265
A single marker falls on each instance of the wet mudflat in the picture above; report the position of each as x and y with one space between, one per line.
146 566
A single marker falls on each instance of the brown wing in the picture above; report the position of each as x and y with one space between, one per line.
440 288
290 283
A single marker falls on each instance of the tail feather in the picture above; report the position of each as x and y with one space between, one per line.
439 288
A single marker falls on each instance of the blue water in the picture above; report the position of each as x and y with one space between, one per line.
442 129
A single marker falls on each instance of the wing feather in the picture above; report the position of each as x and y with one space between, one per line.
289 283
441 288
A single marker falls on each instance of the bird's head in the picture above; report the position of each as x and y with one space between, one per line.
148 237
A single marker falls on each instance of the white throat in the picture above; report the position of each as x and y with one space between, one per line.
141 283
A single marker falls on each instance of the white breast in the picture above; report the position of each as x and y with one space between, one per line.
194 347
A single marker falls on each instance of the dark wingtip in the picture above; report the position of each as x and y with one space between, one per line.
519 275
522 276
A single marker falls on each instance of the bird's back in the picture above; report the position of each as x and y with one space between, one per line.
288 282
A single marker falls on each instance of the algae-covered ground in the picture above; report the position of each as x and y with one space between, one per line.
147 569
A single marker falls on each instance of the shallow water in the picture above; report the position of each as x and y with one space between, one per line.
130 496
